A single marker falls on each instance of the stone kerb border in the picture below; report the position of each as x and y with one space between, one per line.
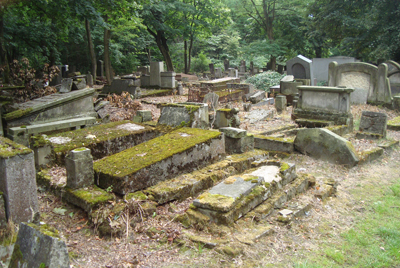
378 88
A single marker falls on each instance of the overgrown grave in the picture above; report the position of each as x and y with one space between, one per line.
59 111
103 140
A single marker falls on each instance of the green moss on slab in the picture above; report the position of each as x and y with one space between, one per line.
139 195
290 140
17 114
150 152
46 229
9 148
92 195
226 92
103 133
17 259
225 110
40 140
394 121
216 201
284 167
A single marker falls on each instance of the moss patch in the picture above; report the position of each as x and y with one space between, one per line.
153 151
217 201
92 196
17 114
9 148
139 195
46 230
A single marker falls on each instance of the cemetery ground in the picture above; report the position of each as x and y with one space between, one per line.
357 226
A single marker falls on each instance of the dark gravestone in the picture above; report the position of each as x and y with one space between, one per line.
280 69
212 71
299 71
226 65
373 122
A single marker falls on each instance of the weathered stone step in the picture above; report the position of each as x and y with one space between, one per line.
191 184
311 123
394 124
102 140
370 154
88 199
159 159
236 196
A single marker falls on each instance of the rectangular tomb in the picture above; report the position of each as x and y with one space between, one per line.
102 140
159 159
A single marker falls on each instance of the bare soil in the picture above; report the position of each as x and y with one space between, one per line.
158 241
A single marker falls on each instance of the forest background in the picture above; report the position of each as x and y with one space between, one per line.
189 34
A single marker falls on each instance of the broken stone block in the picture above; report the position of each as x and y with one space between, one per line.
43 151
39 246
237 140
373 123
280 103
18 181
66 85
257 97
79 165
326 145
274 144
189 114
145 114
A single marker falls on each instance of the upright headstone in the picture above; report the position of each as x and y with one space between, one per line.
167 79
300 67
242 67
251 67
280 103
218 72
212 100
212 71
79 166
280 69
155 73
143 69
226 65
101 70
89 79
18 181
232 72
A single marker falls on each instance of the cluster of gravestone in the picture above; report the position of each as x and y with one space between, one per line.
228 170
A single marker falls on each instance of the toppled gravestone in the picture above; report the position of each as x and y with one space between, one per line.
39 246
326 145
372 125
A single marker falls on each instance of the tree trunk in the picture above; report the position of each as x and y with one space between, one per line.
190 52
91 49
163 47
107 63
3 53
185 57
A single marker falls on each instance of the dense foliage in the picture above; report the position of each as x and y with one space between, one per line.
265 80
190 34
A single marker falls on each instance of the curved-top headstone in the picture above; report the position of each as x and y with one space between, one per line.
326 145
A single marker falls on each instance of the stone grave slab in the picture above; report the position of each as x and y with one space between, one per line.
159 159
257 97
102 140
259 115
326 145
39 246
120 85
18 181
274 144
239 194
51 108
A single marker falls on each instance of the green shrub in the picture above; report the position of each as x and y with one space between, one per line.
200 64
265 80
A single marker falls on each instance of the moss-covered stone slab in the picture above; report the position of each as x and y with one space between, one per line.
159 159
394 124
193 115
8 148
89 198
251 235
54 107
190 184
236 196
103 140
326 145
369 136
274 144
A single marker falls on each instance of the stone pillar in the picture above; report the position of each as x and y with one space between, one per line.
212 71
89 79
155 73
79 165
180 89
101 68
280 103
18 181
218 72
226 65
167 79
